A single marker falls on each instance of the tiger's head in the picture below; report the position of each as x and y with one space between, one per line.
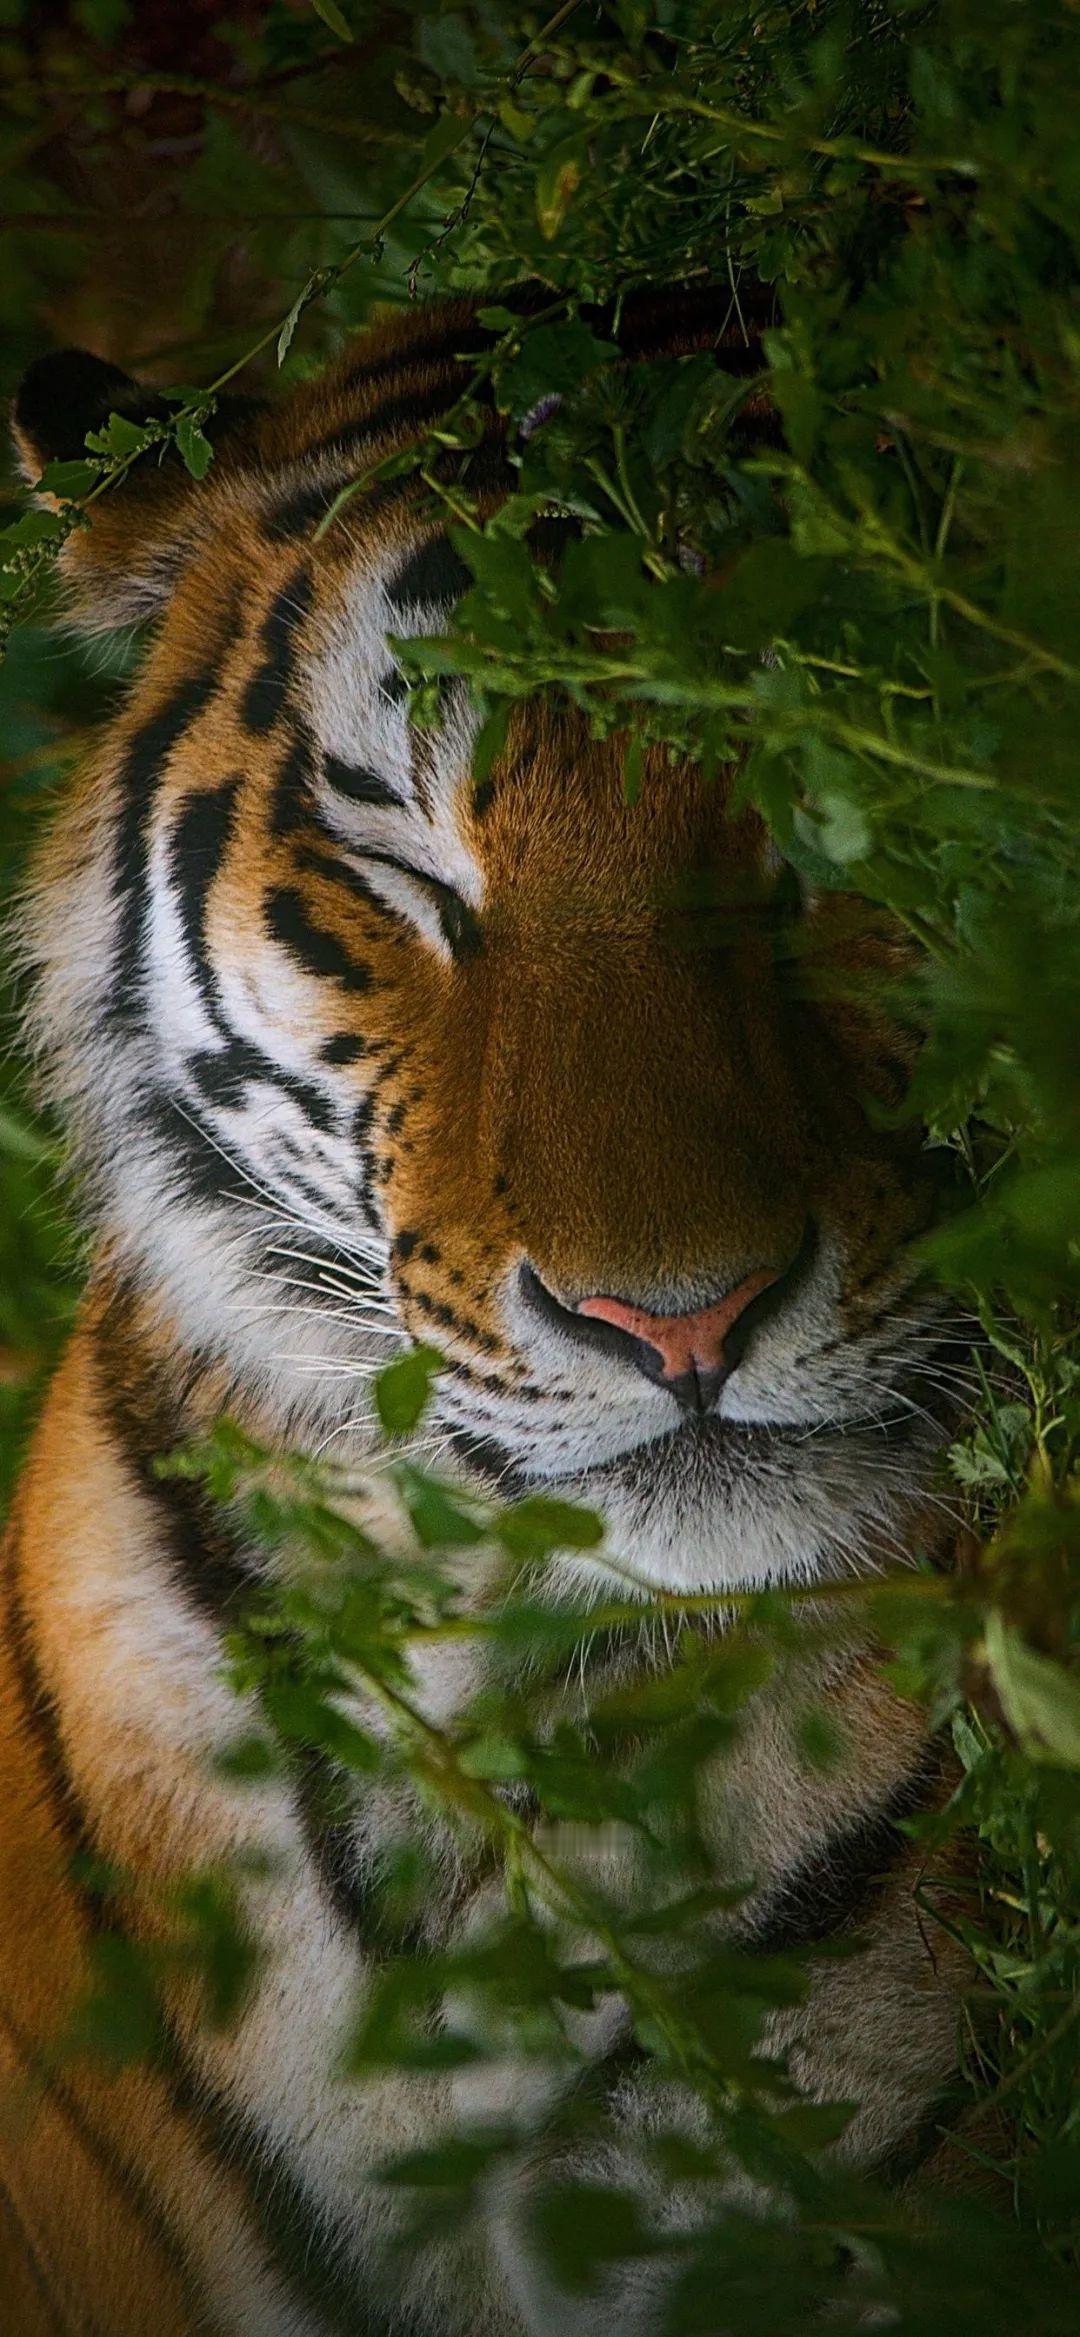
354 1045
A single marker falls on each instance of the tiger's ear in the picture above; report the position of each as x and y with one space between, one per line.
122 566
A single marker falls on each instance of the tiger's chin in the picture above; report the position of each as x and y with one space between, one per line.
718 1504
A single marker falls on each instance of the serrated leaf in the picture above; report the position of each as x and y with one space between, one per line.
121 437
68 481
31 529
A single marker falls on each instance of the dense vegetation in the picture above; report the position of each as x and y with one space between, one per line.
220 190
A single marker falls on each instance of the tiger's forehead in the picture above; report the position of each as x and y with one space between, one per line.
556 806
314 659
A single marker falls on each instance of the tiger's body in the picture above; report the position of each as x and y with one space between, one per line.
321 1011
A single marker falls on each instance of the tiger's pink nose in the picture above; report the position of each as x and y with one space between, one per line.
682 1341
689 1355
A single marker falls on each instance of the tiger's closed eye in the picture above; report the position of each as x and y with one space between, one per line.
457 921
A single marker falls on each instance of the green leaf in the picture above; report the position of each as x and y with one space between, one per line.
194 446
843 830
446 43
498 319
582 2227
69 480
539 1524
119 2018
814 2125
495 1757
123 438
34 527
303 1717
445 136
558 178
316 284
333 16
249 1760
491 740
816 527
439 1520
403 1390
1040 1699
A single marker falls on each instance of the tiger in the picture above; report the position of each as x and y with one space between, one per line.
356 1047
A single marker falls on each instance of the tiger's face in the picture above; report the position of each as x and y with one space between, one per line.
357 1047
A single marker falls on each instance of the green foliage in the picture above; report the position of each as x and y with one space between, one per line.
329 1659
877 616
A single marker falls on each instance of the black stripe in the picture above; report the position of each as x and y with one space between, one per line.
655 316
394 686
300 510
292 788
485 470
345 1047
14 2236
319 952
205 1560
140 776
360 785
461 928
406 410
77 1835
268 688
648 324
223 1075
298 2238
836 1885
148 1421
199 841
448 340
938 2123
198 844
434 572
352 1882
123 2177
208 1175
40 1715
318 862
492 1461
298 2244
292 2230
